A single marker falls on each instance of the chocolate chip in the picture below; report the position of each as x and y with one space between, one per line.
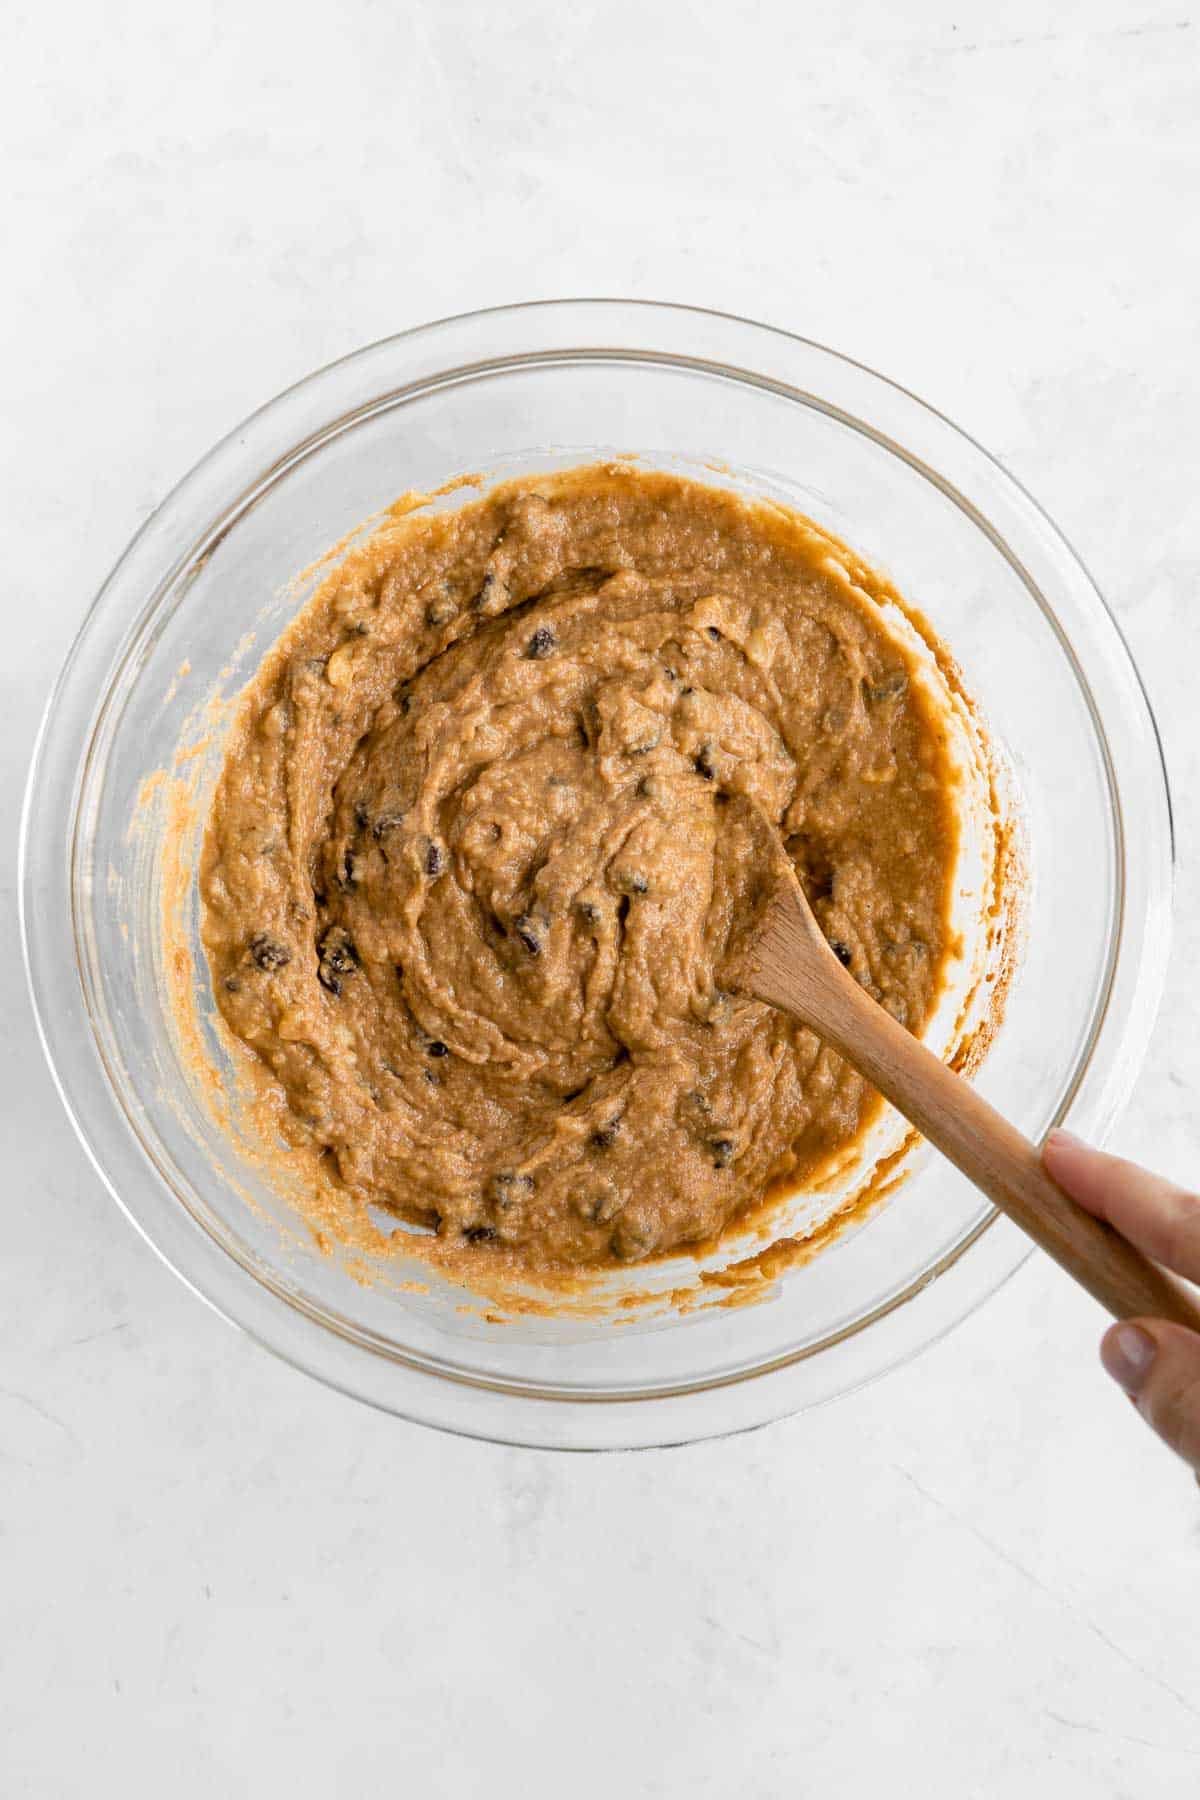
506 1187
632 881
722 1149
268 954
530 931
605 1136
434 861
597 1201
542 643
362 817
385 823
436 1048
842 951
337 958
702 762
232 985
713 633
439 612
718 1007
479 1234
480 599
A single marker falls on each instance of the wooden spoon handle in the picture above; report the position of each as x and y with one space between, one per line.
974 1136
1009 1169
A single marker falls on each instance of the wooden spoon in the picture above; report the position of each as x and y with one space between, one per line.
785 960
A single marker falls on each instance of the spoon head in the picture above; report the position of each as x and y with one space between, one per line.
775 945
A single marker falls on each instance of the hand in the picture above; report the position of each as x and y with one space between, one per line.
1156 1363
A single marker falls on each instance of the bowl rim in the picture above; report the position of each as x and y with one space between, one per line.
58 773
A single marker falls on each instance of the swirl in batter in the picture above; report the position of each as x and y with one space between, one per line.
472 866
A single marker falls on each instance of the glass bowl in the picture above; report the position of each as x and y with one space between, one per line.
209 582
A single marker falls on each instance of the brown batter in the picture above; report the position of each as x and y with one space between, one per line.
471 865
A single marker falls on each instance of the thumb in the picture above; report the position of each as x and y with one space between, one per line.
1158 1365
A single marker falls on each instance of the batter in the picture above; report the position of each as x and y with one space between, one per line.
472 866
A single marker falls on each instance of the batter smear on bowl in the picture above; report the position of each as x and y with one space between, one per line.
472 863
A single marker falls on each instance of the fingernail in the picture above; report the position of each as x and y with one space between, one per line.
1127 1353
1060 1135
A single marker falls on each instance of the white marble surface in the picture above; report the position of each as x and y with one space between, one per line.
978 1578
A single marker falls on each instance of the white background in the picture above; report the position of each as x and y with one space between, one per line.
978 1578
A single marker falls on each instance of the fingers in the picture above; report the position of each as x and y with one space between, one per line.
1161 1219
1158 1365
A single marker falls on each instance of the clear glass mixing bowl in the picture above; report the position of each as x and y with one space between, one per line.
205 586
